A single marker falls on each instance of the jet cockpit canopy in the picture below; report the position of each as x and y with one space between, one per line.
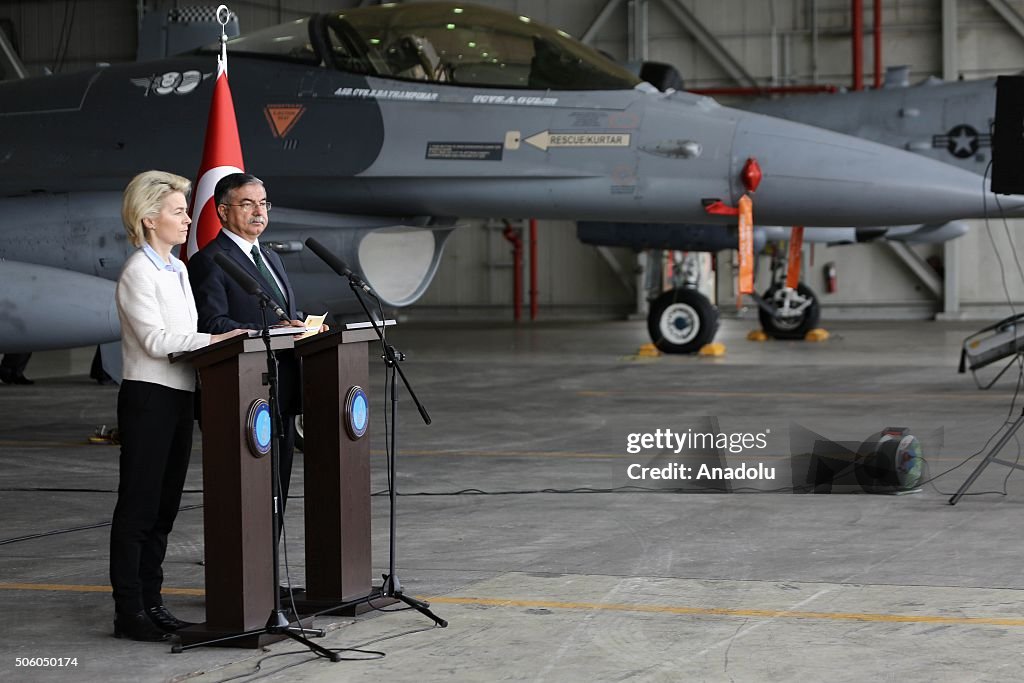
441 42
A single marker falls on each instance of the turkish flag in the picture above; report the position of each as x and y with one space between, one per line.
222 155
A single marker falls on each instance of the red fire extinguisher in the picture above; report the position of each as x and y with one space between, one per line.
830 277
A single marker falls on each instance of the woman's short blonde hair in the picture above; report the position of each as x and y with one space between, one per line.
144 198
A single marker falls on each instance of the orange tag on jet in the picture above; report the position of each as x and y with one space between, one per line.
796 249
282 117
746 247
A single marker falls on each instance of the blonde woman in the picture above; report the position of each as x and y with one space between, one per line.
154 405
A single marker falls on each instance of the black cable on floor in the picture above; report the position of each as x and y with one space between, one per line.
56 532
644 490
357 648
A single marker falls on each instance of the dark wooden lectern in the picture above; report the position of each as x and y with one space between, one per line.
236 493
337 471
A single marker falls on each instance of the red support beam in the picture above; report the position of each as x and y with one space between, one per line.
858 44
533 269
515 237
878 43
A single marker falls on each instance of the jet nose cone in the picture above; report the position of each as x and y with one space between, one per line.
830 179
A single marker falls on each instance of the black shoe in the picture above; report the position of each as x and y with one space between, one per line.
22 379
164 620
137 627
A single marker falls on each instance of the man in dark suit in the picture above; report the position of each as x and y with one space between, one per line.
223 305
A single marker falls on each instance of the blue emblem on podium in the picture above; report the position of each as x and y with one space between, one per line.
257 428
357 412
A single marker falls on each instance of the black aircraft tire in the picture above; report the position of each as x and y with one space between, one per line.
682 321
796 328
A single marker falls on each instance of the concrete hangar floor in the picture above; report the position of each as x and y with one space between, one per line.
517 524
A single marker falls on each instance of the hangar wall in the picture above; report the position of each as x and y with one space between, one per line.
776 42
475 279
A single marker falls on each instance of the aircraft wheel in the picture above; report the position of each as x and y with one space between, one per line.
682 321
792 321
299 442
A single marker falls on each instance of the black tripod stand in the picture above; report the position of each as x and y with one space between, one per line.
392 587
278 622
990 458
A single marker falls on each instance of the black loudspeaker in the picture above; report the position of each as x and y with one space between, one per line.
1008 138
890 461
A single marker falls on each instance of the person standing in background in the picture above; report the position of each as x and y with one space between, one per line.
12 368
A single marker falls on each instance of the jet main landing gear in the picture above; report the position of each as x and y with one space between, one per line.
788 313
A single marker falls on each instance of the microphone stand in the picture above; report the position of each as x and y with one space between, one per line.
392 587
278 622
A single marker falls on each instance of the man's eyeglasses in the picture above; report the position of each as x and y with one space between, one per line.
249 206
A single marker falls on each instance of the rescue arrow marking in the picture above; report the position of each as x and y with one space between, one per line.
546 139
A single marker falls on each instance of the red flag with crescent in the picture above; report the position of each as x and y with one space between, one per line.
222 155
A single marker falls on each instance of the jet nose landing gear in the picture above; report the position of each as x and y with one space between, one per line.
682 321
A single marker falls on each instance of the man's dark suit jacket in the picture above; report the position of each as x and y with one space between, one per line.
224 306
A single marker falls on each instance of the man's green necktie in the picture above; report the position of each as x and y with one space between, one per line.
274 290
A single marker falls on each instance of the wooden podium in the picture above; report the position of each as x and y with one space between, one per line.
236 493
337 471
237 519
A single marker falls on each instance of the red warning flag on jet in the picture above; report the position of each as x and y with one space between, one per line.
746 245
222 155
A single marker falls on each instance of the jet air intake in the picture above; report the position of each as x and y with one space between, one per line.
48 308
397 261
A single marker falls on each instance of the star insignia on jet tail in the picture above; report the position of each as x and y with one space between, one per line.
171 82
962 141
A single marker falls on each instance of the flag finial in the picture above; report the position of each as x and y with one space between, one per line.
223 17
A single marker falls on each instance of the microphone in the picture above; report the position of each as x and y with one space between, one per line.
336 264
248 283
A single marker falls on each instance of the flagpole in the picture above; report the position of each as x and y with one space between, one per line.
278 623
222 151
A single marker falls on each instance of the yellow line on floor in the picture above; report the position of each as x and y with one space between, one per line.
612 607
717 611
47 444
70 588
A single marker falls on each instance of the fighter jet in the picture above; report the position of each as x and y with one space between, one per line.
375 128
948 122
